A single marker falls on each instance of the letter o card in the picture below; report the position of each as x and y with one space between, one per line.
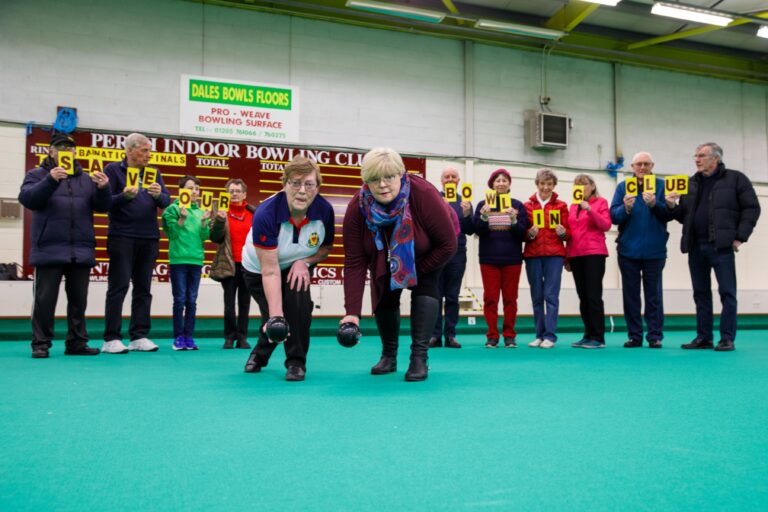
649 183
224 201
631 189
466 192
185 198
150 176
450 192
67 161
578 194
538 218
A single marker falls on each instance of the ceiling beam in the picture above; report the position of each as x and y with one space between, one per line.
691 32
570 15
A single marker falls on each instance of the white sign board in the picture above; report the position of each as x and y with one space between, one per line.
230 109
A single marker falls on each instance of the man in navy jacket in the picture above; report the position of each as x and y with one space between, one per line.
449 283
133 246
642 248
63 243
718 214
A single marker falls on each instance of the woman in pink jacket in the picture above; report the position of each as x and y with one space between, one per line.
586 253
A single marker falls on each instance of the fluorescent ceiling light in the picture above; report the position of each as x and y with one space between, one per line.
688 13
401 11
612 3
763 31
523 30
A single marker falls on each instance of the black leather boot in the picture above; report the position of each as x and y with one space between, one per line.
252 366
423 318
388 323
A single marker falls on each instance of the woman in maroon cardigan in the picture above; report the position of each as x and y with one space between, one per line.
399 228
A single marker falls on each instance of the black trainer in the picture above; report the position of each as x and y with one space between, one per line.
81 350
633 344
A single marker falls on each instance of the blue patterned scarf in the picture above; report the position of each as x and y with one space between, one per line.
401 254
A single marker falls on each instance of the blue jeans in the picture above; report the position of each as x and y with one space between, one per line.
185 282
544 274
702 259
650 272
449 286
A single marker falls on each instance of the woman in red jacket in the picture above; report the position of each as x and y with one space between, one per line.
586 251
544 255
229 231
399 228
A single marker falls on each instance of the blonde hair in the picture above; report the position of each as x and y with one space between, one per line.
302 166
381 162
588 179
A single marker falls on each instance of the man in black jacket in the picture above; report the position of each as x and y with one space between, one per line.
63 243
718 215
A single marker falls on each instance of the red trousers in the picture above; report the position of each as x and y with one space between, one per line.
504 279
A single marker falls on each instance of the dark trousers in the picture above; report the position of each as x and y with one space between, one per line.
185 283
297 308
448 287
236 323
46 294
649 272
131 260
388 316
702 259
588 272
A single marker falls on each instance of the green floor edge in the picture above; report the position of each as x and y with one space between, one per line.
19 329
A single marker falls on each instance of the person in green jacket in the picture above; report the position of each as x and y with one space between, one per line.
187 228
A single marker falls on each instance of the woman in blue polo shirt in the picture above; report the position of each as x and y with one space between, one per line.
292 231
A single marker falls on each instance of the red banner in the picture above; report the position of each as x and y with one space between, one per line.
213 162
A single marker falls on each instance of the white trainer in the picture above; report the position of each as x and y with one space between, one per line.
535 343
143 345
114 347
547 344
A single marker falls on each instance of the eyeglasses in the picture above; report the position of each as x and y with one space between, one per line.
388 180
642 164
309 186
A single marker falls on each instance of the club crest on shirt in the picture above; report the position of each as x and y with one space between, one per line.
314 239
